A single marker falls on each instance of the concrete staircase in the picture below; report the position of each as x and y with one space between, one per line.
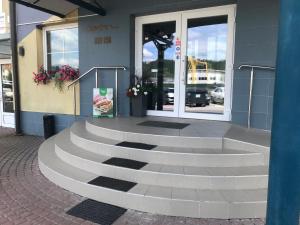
201 177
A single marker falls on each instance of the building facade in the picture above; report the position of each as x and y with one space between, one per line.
185 51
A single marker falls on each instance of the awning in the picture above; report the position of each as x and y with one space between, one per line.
61 8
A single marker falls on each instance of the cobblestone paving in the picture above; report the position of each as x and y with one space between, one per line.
28 198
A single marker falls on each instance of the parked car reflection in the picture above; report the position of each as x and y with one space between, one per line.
197 97
217 95
194 97
169 96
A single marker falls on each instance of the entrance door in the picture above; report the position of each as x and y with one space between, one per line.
185 60
155 61
206 77
7 118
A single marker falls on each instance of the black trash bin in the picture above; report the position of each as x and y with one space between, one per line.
49 126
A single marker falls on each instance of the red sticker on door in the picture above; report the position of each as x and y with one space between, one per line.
178 49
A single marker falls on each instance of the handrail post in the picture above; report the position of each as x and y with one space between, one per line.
250 97
116 91
74 99
96 78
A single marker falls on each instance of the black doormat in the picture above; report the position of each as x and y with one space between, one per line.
170 125
136 145
116 184
97 212
127 163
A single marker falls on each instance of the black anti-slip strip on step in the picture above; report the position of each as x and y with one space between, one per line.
161 124
97 212
116 184
127 163
136 145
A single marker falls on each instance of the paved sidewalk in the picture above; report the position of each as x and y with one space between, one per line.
28 198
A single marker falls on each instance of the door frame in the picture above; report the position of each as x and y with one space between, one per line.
181 19
4 115
230 11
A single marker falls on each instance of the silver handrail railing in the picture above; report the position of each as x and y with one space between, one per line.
97 68
253 67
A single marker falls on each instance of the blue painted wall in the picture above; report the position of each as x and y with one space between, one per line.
256 38
121 51
116 53
32 122
256 43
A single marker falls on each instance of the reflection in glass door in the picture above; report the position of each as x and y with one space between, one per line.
159 64
156 62
206 58
207 55
6 96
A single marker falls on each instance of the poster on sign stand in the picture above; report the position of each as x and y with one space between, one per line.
103 104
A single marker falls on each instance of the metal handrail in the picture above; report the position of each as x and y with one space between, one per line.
94 68
116 68
256 67
252 67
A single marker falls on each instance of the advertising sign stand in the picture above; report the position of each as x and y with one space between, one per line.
103 102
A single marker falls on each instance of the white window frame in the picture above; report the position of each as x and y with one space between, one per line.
53 28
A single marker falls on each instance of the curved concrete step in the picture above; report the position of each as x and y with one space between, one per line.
164 175
179 156
220 204
246 146
152 136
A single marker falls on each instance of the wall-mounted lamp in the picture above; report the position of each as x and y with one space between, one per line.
40 26
21 51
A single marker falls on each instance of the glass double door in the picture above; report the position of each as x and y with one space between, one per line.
185 62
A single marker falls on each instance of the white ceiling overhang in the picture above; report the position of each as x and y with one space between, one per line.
63 7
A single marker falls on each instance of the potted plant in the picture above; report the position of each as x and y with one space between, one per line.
137 93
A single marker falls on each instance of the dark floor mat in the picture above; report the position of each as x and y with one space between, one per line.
97 212
116 184
162 124
136 145
127 163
